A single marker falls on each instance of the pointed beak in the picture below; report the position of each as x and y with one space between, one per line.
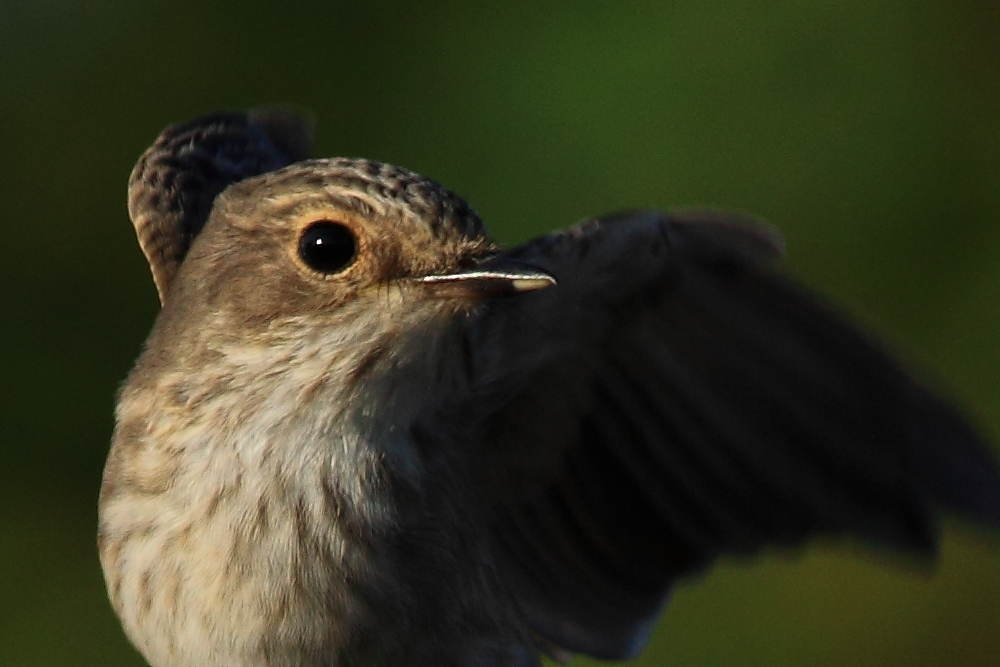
491 277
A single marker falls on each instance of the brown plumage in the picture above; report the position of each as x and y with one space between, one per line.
361 433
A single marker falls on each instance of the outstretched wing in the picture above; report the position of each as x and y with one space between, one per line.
673 399
175 181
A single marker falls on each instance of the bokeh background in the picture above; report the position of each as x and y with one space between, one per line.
867 130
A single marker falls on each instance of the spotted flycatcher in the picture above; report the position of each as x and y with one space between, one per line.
363 433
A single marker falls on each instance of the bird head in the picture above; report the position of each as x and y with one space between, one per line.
295 283
320 240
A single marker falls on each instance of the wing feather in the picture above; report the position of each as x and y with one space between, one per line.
674 399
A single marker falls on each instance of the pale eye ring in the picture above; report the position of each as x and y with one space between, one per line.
328 247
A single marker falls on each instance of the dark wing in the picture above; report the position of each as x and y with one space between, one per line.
175 182
673 399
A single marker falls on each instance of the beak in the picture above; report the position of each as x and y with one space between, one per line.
491 277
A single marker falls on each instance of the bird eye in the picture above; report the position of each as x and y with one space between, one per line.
328 247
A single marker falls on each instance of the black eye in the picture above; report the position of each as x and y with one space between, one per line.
327 247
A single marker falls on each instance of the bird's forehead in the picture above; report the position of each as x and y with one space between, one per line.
364 187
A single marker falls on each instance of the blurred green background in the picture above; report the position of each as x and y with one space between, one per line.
867 130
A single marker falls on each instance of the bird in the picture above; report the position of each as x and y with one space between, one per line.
361 432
